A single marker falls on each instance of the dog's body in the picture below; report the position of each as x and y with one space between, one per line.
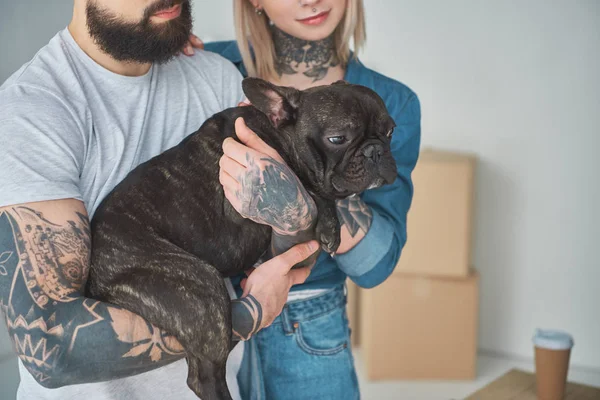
165 237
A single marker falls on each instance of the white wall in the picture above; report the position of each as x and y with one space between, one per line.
27 25
517 83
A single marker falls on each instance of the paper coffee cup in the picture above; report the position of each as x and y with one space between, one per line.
552 354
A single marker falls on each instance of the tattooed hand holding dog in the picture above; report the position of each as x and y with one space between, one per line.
261 187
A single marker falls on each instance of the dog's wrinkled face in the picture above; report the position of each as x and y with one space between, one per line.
336 137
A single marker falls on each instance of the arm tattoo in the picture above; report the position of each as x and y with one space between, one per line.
274 196
355 214
290 52
54 259
60 336
246 317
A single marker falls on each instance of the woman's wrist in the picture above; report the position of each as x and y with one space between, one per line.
355 221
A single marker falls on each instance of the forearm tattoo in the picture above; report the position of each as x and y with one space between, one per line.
246 317
60 336
273 195
317 56
355 214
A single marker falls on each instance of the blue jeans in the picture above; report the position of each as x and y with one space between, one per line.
304 354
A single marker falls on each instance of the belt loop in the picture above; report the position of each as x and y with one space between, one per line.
285 321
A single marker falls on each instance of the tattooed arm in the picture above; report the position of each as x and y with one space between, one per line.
261 187
355 219
61 337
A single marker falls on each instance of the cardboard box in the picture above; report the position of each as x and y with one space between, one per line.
353 311
420 328
519 385
440 218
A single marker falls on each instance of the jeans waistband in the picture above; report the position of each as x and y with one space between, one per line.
304 309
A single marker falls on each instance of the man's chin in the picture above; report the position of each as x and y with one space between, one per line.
145 42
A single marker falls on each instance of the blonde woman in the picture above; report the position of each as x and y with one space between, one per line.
305 352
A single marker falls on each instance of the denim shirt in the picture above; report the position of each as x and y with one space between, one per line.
374 258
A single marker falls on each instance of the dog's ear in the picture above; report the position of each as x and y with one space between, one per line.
279 103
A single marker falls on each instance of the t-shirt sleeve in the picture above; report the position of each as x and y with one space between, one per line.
232 85
42 146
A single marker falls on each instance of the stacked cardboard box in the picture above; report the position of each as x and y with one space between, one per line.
439 221
422 322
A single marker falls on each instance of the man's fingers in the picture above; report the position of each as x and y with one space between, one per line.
233 200
237 151
299 275
252 140
228 182
188 50
232 167
293 256
196 42
247 136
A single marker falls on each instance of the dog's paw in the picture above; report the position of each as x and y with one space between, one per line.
330 245
328 234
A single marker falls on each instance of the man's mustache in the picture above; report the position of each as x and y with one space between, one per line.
162 5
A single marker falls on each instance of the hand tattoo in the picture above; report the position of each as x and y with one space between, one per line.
355 214
246 317
272 195
291 52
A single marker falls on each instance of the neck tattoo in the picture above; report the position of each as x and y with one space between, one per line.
295 56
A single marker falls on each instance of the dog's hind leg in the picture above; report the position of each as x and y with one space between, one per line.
185 297
207 379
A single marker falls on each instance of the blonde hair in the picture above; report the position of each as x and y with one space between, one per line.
252 31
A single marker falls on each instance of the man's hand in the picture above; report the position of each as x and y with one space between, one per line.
193 42
261 187
266 290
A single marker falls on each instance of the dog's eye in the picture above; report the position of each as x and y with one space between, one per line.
337 139
389 134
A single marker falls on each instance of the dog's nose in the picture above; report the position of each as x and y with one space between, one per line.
373 151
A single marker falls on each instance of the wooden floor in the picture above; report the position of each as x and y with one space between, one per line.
490 367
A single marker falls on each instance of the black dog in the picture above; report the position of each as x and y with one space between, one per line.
165 237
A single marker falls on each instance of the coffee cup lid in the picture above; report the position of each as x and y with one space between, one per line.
552 339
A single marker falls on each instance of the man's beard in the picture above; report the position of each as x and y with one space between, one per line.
143 41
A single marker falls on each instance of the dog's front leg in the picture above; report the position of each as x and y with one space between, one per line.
328 231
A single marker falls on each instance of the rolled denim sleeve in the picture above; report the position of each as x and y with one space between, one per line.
374 258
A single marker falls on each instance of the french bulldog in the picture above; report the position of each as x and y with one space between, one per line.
165 237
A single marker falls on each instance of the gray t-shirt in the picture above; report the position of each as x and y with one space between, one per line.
71 129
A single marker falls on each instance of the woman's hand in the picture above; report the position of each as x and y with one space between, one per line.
261 187
193 42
